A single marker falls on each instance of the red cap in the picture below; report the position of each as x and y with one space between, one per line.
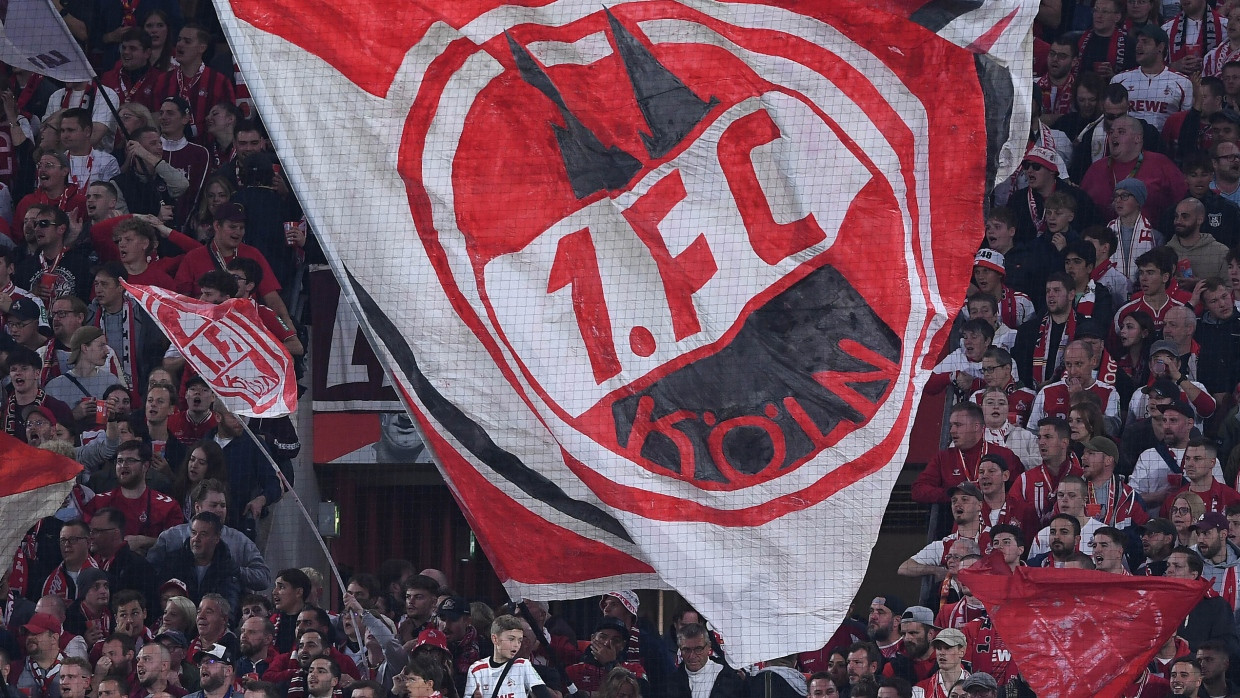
42 623
433 637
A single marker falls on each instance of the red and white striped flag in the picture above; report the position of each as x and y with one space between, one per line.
33 483
659 281
229 347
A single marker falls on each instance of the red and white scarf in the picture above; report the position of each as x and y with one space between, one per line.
1212 32
58 581
1041 352
1062 103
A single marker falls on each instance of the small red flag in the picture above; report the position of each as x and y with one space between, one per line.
1077 633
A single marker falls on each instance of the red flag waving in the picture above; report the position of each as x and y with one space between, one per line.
33 484
1080 632
228 346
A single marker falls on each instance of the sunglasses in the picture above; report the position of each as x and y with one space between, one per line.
1033 167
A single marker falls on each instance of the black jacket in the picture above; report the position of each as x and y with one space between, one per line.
1217 365
222 577
728 684
129 570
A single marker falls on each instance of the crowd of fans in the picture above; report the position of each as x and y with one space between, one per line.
1094 422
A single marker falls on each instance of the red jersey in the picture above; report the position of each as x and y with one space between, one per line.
1020 402
130 88
203 90
1055 400
1159 315
191 160
150 514
1036 488
987 652
1216 499
1014 512
184 429
951 466
958 615
201 260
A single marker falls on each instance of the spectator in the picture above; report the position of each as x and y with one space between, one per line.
1211 618
1218 335
980 685
1159 470
1089 298
68 314
1040 342
821 685
997 507
778 678
53 190
949 649
213 624
1105 272
455 621
1025 264
126 569
151 669
221 120
605 653
42 645
1108 498
916 660
1134 232
1055 399
1219 556
1109 550
952 466
962 369
968 608
1047 176
1001 430
90 615
1212 656
1135 337
998 372
185 156
204 462
1009 541
644 645
132 334
1057 542
192 424
1201 256
506 637
1186 509
204 563
27 330
86 163
1157 539
147 513
989 271
291 590
250 476
75 552
864 660
137 243
1036 488
1198 473
148 182
1153 276
966 509
210 496
74 676
132 77
1163 181
85 382
883 624
984 307
216 665
322 678
257 648
192 81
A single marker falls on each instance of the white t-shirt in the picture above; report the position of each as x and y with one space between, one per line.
520 681
98 166
1151 471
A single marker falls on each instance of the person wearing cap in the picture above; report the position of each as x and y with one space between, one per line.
1164 183
645 646
229 230
1166 365
980 685
1046 173
966 510
1090 299
1219 555
1155 91
217 665
85 381
57 269
916 660
606 650
883 624
183 155
90 614
989 272
958 463
24 369
1160 470
1107 497
1055 399
1134 232
949 651
9 291
1157 539
999 372
962 369
455 621
27 326
43 657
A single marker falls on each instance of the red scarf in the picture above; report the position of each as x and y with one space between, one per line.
27 93
46 678
1041 352
1115 47
1063 99
1101 270
11 410
58 581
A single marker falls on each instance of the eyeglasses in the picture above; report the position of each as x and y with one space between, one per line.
240 278
62 313
1231 158
1121 196
1181 510
98 531
72 540
44 223
19 324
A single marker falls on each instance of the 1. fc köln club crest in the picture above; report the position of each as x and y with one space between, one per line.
652 271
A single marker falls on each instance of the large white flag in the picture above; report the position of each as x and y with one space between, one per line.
661 281
35 38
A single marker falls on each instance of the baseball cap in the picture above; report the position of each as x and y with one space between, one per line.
1162 526
23 309
610 623
433 637
981 681
452 608
1154 32
81 337
892 603
1103 445
176 585
968 488
1164 345
42 623
918 614
47 414
950 637
1164 387
175 635
229 211
1043 156
989 259
1211 520
216 652
1181 407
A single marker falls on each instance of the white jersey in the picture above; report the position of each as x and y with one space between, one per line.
519 682
1153 98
